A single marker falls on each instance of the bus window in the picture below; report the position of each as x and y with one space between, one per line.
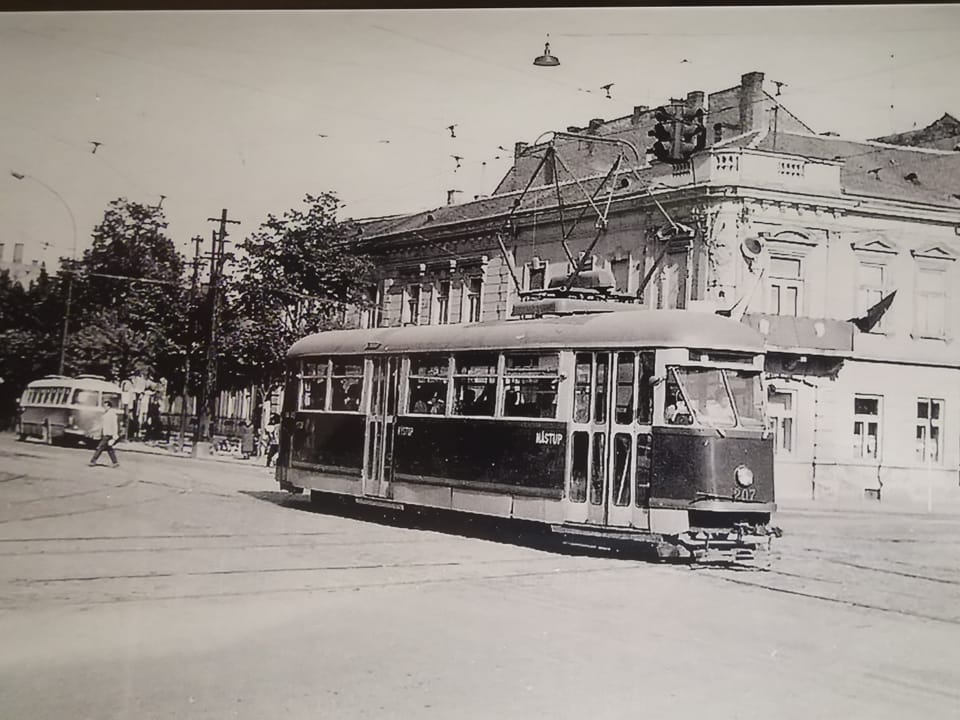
623 397
578 466
90 398
113 398
747 396
600 390
645 389
428 385
530 385
313 385
581 388
346 382
475 384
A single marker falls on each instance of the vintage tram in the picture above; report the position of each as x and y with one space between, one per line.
617 426
57 408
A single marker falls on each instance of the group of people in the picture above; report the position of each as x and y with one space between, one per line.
269 439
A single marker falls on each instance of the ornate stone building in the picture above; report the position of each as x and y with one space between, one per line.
801 233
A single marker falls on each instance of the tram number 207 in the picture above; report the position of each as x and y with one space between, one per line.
744 493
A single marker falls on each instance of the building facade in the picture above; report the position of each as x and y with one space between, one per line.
801 234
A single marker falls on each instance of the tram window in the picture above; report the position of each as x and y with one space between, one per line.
346 383
747 396
90 398
428 385
676 411
623 398
578 467
475 384
621 469
598 470
530 385
313 385
705 390
642 495
600 390
581 388
645 389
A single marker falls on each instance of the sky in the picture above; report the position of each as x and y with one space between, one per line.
250 111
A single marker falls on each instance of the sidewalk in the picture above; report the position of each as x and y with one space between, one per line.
170 450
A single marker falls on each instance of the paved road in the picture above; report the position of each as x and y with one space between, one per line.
172 588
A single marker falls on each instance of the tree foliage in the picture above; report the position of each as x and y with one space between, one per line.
297 274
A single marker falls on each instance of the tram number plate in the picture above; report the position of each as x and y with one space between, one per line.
742 493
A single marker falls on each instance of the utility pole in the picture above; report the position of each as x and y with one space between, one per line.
191 330
217 258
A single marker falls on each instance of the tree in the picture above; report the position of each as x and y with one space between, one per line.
297 275
128 312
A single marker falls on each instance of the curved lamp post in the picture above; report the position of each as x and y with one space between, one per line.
73 259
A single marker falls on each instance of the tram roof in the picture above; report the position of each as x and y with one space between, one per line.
639 328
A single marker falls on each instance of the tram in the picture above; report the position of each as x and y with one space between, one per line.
620 426
59 408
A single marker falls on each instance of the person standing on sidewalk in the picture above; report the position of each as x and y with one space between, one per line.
109 434
272 435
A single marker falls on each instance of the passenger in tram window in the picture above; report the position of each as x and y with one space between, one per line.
352 399
435 404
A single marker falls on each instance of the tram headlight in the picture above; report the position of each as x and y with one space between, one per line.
743 475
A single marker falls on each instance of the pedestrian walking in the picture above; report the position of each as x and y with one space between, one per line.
246 439
109 434
272 435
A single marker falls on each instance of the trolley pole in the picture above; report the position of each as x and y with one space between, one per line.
208 406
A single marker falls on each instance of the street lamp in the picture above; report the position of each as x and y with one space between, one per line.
73 259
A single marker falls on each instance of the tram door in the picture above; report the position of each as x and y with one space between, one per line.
381 421
610 438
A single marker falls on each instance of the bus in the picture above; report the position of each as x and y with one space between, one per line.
623 426
57 408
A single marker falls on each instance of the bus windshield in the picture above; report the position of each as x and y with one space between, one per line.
86 397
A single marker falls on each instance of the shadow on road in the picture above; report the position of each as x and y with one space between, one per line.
524 533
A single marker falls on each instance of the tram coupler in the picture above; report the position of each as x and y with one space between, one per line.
743 544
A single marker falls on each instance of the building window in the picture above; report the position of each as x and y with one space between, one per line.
786 286
929 423
443 302
870 289
931 303
17 253
866 426
717 132
782 410
2 247
621 274
372 316
411 309
474 294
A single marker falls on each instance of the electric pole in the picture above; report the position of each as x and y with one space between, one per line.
208 407
191 331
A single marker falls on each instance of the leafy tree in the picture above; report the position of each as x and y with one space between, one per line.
128 311
297 274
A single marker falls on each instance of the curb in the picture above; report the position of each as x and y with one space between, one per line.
160 452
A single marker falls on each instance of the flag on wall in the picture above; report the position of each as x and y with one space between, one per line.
873 315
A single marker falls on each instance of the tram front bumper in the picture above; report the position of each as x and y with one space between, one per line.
741 543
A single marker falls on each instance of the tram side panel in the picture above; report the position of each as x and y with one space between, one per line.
503 468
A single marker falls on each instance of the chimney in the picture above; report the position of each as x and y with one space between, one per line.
573 129
694 101
451 194
751 93
518 148
638 111
595 125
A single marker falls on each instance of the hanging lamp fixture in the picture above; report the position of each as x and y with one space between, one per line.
546 60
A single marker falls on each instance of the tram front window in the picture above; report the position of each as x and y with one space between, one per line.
705 394
747 396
